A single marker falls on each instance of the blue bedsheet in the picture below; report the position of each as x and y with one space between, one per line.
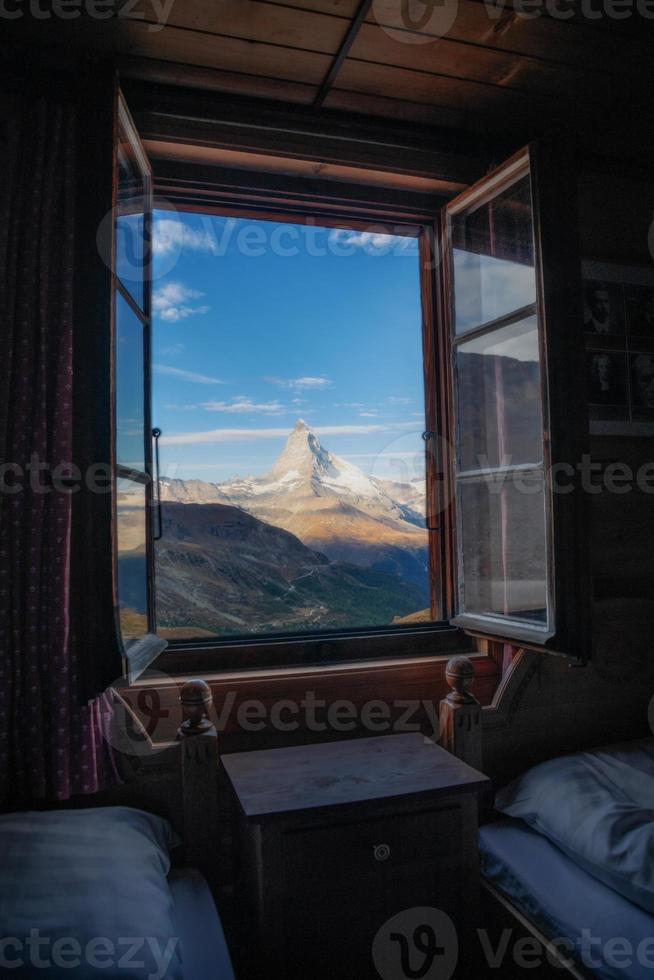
611 936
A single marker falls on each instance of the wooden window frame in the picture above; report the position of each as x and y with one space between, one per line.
327 647
192 187
138 651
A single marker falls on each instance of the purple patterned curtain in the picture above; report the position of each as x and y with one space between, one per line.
52 744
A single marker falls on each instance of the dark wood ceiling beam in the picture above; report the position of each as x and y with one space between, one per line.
342 53
165 112
180 183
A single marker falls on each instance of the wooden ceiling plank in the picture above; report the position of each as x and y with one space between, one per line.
575 43
338 8
457 60
252 20
133 38
226 54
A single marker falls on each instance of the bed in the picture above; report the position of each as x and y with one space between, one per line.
567 845
122 885
559 902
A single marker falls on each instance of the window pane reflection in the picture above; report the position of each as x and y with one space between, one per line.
130 400
503 550
132 559
499 399
493 257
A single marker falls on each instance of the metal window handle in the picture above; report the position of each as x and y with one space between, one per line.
155 435
382 852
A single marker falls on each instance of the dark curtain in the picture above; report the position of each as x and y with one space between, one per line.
53 740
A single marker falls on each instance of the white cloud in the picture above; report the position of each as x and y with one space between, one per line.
349 405
198 379
170 234
300 384
369 415
170 302
237 435
243 405
396 400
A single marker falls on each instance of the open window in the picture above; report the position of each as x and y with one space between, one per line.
131 317
513 331
487 532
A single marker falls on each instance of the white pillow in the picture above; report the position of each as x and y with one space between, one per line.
597 807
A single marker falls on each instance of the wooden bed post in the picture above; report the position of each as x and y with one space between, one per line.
199 764
460 714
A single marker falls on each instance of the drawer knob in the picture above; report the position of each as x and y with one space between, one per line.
382 852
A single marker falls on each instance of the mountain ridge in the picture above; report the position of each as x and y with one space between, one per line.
330 504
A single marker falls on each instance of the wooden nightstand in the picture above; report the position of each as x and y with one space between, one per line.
339 837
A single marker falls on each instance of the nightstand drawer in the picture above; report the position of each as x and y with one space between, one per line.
374 846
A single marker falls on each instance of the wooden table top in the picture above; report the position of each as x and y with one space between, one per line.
276 781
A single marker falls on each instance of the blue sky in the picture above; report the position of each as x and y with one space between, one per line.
259 323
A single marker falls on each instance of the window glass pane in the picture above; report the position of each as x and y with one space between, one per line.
493 257
130 223
130 392
502 547
499 398
132 559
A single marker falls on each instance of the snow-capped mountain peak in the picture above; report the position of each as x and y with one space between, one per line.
304 476
303 455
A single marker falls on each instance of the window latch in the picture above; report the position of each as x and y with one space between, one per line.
155 435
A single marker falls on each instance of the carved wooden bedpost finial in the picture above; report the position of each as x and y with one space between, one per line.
196 700
199 763
460 674
460 714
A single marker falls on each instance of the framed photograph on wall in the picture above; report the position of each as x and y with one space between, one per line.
619 337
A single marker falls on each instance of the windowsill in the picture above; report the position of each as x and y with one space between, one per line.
322 652
348 668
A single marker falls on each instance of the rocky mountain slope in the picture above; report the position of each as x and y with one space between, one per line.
222 570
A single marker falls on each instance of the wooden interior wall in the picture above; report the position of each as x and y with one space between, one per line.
558 707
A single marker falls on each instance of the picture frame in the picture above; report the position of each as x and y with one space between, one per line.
618 328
